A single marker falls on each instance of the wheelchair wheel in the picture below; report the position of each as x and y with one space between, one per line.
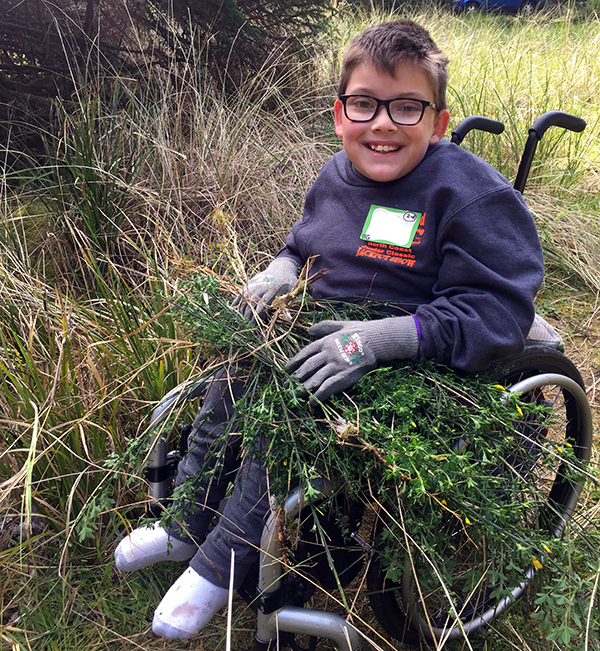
421 606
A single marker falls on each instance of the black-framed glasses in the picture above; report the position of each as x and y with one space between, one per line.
406 111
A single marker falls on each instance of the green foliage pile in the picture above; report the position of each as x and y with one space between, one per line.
442 456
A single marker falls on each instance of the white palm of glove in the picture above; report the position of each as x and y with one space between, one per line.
277 279
347 350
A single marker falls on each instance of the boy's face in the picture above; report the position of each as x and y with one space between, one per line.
405 145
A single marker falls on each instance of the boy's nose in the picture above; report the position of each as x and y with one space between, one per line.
382 120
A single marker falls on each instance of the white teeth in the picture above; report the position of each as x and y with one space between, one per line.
383 148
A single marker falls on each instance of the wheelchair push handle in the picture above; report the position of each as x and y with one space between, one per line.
475 122
557 119
536 133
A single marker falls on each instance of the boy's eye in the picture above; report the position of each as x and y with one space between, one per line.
362 103
404 107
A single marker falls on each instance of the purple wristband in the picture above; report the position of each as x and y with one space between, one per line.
418 326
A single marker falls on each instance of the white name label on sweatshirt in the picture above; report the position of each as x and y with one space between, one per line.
391 226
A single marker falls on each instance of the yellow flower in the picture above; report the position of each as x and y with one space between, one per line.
467 520
499 386
536 563
519 411
547 548
560 450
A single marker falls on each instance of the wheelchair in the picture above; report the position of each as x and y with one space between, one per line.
409 610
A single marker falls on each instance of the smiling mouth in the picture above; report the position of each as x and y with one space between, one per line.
384 149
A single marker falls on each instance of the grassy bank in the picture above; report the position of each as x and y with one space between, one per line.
148 181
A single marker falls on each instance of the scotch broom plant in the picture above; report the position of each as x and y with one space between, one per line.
451 463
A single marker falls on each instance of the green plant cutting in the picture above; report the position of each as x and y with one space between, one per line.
440 456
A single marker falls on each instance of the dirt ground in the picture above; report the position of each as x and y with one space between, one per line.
578 322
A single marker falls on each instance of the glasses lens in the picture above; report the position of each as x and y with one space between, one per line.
406 111
360 108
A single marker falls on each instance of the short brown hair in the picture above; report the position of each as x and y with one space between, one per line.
389 44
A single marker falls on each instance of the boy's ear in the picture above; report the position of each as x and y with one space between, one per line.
440 126
338 111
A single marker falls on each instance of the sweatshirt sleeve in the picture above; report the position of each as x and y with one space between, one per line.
491 268
290 251
293 247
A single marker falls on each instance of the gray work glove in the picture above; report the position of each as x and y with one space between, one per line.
277 279
347 350
542 333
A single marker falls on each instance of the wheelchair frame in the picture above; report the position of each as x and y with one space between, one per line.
274 618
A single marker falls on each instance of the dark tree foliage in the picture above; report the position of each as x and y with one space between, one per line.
392 6
52 48
236 37
45 47
243 33
240 25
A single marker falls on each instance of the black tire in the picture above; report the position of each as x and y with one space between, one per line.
534 360
544 375
471 7
527 8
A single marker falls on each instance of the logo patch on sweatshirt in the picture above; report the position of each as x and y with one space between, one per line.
391 226
385 228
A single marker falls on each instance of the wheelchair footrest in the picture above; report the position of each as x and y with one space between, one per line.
294 591
284 640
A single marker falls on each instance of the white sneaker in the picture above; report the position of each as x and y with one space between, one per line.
148 545
188 606
541 332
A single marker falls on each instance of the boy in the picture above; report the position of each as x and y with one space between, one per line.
401 216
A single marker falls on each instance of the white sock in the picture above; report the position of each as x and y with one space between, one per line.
148 545
190 603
